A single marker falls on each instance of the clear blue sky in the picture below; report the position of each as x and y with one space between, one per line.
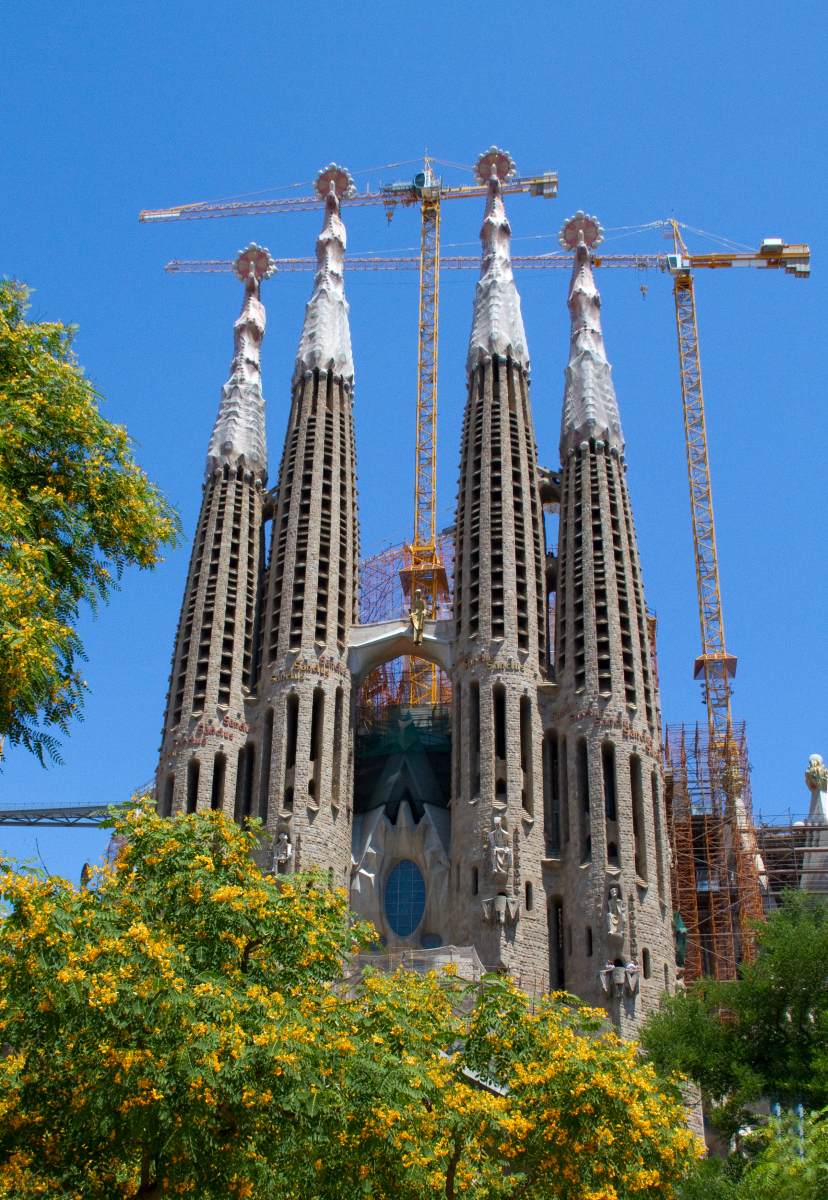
713 113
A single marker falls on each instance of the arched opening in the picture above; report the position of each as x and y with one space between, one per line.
167 796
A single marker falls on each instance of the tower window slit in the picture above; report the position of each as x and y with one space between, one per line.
291 730
167 797
499 703
639 829
557 968
474 737
192 784
551 792
337 748
563 762
658 829
583 798
527 797
219 776
264 768
317 721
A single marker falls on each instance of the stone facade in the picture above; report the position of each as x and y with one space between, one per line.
551 858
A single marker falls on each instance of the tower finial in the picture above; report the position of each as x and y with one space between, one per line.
325 341
238 437
590 407
497 324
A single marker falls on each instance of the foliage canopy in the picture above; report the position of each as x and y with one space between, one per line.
188 1025
764 1034
75 509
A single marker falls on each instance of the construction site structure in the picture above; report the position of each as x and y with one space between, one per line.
718 873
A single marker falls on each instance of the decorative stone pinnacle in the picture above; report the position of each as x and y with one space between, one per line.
325 342
255 260
581 229
497 323
494 162
238 437
337 179
590 407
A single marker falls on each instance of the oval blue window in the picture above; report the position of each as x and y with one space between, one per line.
405 898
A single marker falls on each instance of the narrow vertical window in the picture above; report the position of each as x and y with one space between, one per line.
583 800
167 797
192 784
557 969
249 771
589 941
551 792
608 770
563 761
475 881
317 721
337 748
474 737
530 899
639 830
646 964
292 722
219 775
499 698
264 769
526 754
658 829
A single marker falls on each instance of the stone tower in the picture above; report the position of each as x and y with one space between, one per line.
500 626
529 828
205 727
607 867
309 599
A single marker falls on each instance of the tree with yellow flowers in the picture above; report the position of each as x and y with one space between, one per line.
186 1025
75 510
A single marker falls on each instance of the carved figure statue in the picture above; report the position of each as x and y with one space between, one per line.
418 617
500 848
282 851
816 777
616 919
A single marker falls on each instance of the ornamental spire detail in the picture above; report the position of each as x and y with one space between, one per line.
590 406
238 437
497 324
325 342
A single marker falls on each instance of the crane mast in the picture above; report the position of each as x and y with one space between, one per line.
425 571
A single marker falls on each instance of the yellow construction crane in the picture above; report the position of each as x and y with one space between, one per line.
424 571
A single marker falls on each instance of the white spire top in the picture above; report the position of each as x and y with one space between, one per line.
497 324
325 343
590 408
238 437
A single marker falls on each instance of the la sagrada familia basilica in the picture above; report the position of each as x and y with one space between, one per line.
543 845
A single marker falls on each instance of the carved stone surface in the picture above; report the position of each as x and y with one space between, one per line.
499 846
816 776
238 437
497 323
325 342
590 406
615 918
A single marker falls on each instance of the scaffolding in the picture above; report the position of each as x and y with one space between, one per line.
718 872
384 596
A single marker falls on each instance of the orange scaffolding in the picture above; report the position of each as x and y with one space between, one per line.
384 596
717 867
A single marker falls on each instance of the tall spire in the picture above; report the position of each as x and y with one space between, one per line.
325 343
497 324
238 437
590 408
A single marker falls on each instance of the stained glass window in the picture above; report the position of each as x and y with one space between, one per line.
405 898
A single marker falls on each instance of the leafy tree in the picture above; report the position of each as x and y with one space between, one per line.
764 1034
189 1026
75 509
780 1161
